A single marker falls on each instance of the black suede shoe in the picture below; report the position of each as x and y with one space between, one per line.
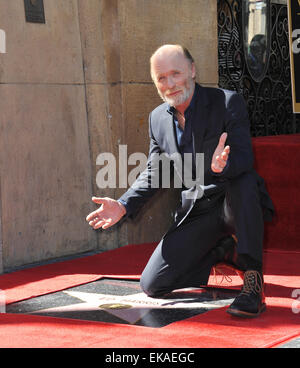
250 302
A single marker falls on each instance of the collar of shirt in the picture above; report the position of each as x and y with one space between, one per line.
184 137
171 109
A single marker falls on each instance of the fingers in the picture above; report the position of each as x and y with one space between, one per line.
107 224
224 156
221 160
104 224
99 222
93 215
222 140
99 200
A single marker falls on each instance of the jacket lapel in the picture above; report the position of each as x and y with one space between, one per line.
199 123
199 120
171 134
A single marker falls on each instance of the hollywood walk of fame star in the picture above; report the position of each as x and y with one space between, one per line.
129 308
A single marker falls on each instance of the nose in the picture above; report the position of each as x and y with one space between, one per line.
170 82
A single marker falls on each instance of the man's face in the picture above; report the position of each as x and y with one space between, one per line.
173 76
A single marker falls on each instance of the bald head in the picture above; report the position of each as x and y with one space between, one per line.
165 50
173 73
168 51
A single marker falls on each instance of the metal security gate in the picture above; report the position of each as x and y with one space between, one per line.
266 86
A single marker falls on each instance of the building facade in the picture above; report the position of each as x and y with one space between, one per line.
75 84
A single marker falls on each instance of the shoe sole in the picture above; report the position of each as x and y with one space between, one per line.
243 314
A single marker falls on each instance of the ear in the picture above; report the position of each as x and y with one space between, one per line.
193 70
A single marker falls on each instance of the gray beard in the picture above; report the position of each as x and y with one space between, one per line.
178 100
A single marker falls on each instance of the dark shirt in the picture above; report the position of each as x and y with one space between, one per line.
184 137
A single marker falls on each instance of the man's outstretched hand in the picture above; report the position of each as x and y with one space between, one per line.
108 214
220 155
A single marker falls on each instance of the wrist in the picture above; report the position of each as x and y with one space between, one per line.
122 207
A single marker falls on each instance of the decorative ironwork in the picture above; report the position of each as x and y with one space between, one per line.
269 100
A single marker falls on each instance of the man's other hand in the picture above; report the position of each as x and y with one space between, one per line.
108 214
220 155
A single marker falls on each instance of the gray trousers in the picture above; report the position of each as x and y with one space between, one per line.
184 256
